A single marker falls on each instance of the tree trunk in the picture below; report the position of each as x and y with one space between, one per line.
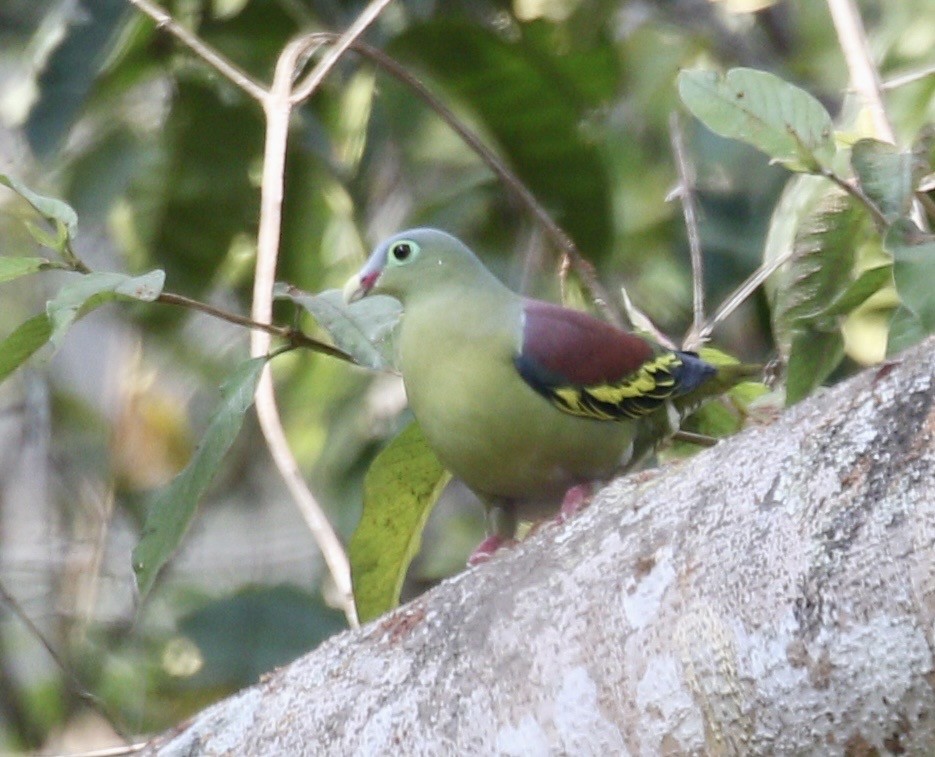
772 595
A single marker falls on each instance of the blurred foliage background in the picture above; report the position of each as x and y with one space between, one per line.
161 158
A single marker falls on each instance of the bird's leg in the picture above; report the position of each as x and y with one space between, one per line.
501 528
576 498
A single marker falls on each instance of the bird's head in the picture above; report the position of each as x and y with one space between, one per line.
417 260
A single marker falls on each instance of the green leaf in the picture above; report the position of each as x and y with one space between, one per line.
400 489
913 269
533 106
58 212
819 270
362 329
867 284
198 196
13 268
70 71
813 357
905 331
94 289
23 343
885 175
172 509
246 634
758 108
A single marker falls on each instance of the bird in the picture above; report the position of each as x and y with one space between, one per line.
527 402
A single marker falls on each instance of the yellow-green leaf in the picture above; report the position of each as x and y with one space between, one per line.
13 268
19 346
400 490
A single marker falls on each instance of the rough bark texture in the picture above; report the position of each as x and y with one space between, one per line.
773 595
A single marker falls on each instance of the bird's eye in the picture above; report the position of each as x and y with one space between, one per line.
402 251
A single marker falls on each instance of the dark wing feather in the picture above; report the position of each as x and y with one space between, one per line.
587 367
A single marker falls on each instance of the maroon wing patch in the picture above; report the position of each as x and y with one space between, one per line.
578 349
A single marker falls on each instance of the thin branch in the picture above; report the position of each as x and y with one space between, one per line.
743 292
863 72
71 678
690 437
686 193
278 108
864 76
562 241
208 54
858 194
908 78
294 336
340 46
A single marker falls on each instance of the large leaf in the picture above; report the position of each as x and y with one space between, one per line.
92 290
172 509
200 195
885 175
532 106
913 269
23 343
400 490
362 329
785 122
67 79
816 279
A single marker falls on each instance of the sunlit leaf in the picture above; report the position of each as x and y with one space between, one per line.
23 343
172 509
885 175
913 269
400 489
92 290
53 210
362 329
785 122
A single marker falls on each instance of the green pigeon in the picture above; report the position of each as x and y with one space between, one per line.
527 402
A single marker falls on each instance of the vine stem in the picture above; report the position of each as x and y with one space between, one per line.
863 73
277 106
686 193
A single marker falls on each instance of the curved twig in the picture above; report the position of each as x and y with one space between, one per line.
208 54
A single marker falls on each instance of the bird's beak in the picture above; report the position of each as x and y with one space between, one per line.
359 285
353 289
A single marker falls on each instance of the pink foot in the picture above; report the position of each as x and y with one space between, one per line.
576 498
485 550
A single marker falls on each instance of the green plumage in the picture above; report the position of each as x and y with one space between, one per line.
519 399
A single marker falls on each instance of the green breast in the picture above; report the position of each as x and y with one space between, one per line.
488 427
